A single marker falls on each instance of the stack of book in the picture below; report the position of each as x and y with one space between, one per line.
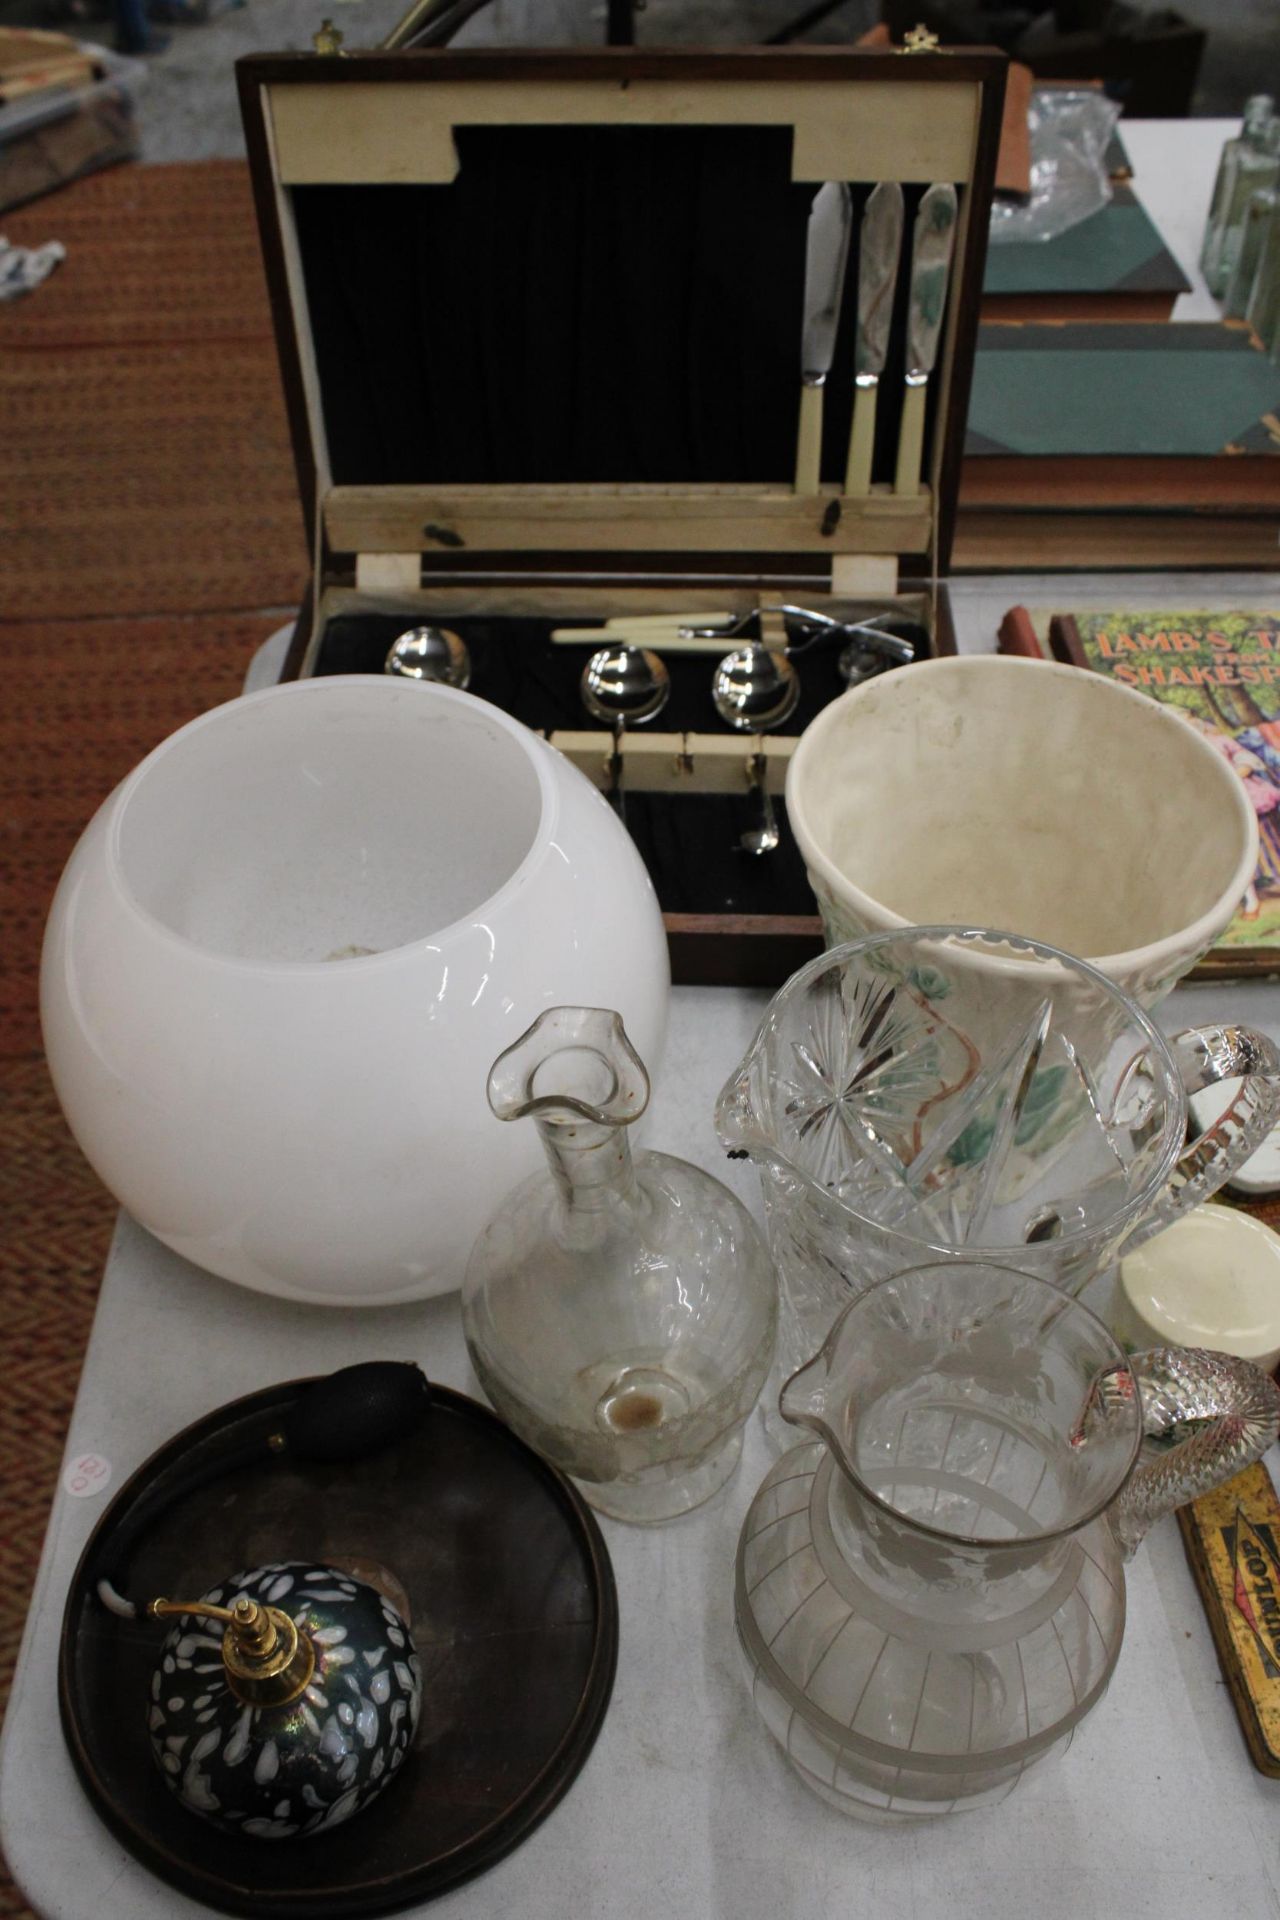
1114 445
1099 436
34 63
1111 266
65 110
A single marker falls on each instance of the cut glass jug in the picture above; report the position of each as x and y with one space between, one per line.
956 1092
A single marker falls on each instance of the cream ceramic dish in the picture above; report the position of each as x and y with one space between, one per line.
285 953
1212 1279
994 792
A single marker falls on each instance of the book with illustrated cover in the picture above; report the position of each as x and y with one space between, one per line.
1221 671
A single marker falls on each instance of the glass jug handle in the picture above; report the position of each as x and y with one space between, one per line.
1232 1411
1204 1055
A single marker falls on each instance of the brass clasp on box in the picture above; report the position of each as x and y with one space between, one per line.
268 1662
327 39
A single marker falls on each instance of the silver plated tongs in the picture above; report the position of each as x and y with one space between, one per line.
717 633
816 629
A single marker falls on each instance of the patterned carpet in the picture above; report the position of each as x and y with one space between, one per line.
149 525
143 466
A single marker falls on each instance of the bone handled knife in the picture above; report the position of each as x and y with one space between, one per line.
932 240
826 256
879 249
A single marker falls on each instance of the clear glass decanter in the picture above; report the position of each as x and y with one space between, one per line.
930 1590
619 1313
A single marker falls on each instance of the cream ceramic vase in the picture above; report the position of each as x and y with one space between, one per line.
992 792
285 953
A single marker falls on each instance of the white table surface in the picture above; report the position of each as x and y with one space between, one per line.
685 1807
1174 164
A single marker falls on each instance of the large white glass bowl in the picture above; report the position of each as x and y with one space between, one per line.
285 954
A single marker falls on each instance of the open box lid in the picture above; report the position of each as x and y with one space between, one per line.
540 309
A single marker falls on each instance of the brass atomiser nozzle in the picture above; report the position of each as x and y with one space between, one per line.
268 1661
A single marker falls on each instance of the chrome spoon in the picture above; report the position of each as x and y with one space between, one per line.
430 653
753 690
623 686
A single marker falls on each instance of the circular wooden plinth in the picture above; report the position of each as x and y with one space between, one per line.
514 1615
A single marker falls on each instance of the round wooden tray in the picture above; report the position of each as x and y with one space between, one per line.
515 1616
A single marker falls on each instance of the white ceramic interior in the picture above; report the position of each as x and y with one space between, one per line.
286 953
988 791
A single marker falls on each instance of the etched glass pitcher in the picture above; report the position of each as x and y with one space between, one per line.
930 1593
948 1091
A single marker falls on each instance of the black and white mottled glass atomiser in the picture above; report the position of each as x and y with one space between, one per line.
286 1698
297 1713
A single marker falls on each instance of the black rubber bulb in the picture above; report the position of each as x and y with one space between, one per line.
355 1411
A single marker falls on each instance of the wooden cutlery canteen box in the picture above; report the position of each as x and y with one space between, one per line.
570 337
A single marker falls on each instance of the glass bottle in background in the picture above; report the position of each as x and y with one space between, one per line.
1245 165
1259 103
1258 216
1262 315
1217 201
1256 168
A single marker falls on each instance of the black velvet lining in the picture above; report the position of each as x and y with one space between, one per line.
688 842
581 304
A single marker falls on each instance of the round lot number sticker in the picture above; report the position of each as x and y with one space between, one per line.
86 1475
